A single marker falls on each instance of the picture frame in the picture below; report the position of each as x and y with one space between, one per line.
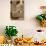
17 9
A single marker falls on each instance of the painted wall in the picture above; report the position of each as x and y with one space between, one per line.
28 26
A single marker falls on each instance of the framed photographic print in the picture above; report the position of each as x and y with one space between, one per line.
17 9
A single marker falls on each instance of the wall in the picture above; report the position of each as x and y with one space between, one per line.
27 26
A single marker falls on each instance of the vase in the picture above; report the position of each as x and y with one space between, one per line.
13 38
43 23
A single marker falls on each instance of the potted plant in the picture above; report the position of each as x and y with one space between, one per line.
10 31
42 17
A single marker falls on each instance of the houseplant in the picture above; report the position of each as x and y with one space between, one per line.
42 16
10 31
42 19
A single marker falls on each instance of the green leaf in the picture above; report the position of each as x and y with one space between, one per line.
45 17
40 18
11 31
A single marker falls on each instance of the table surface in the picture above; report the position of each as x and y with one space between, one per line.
31 45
